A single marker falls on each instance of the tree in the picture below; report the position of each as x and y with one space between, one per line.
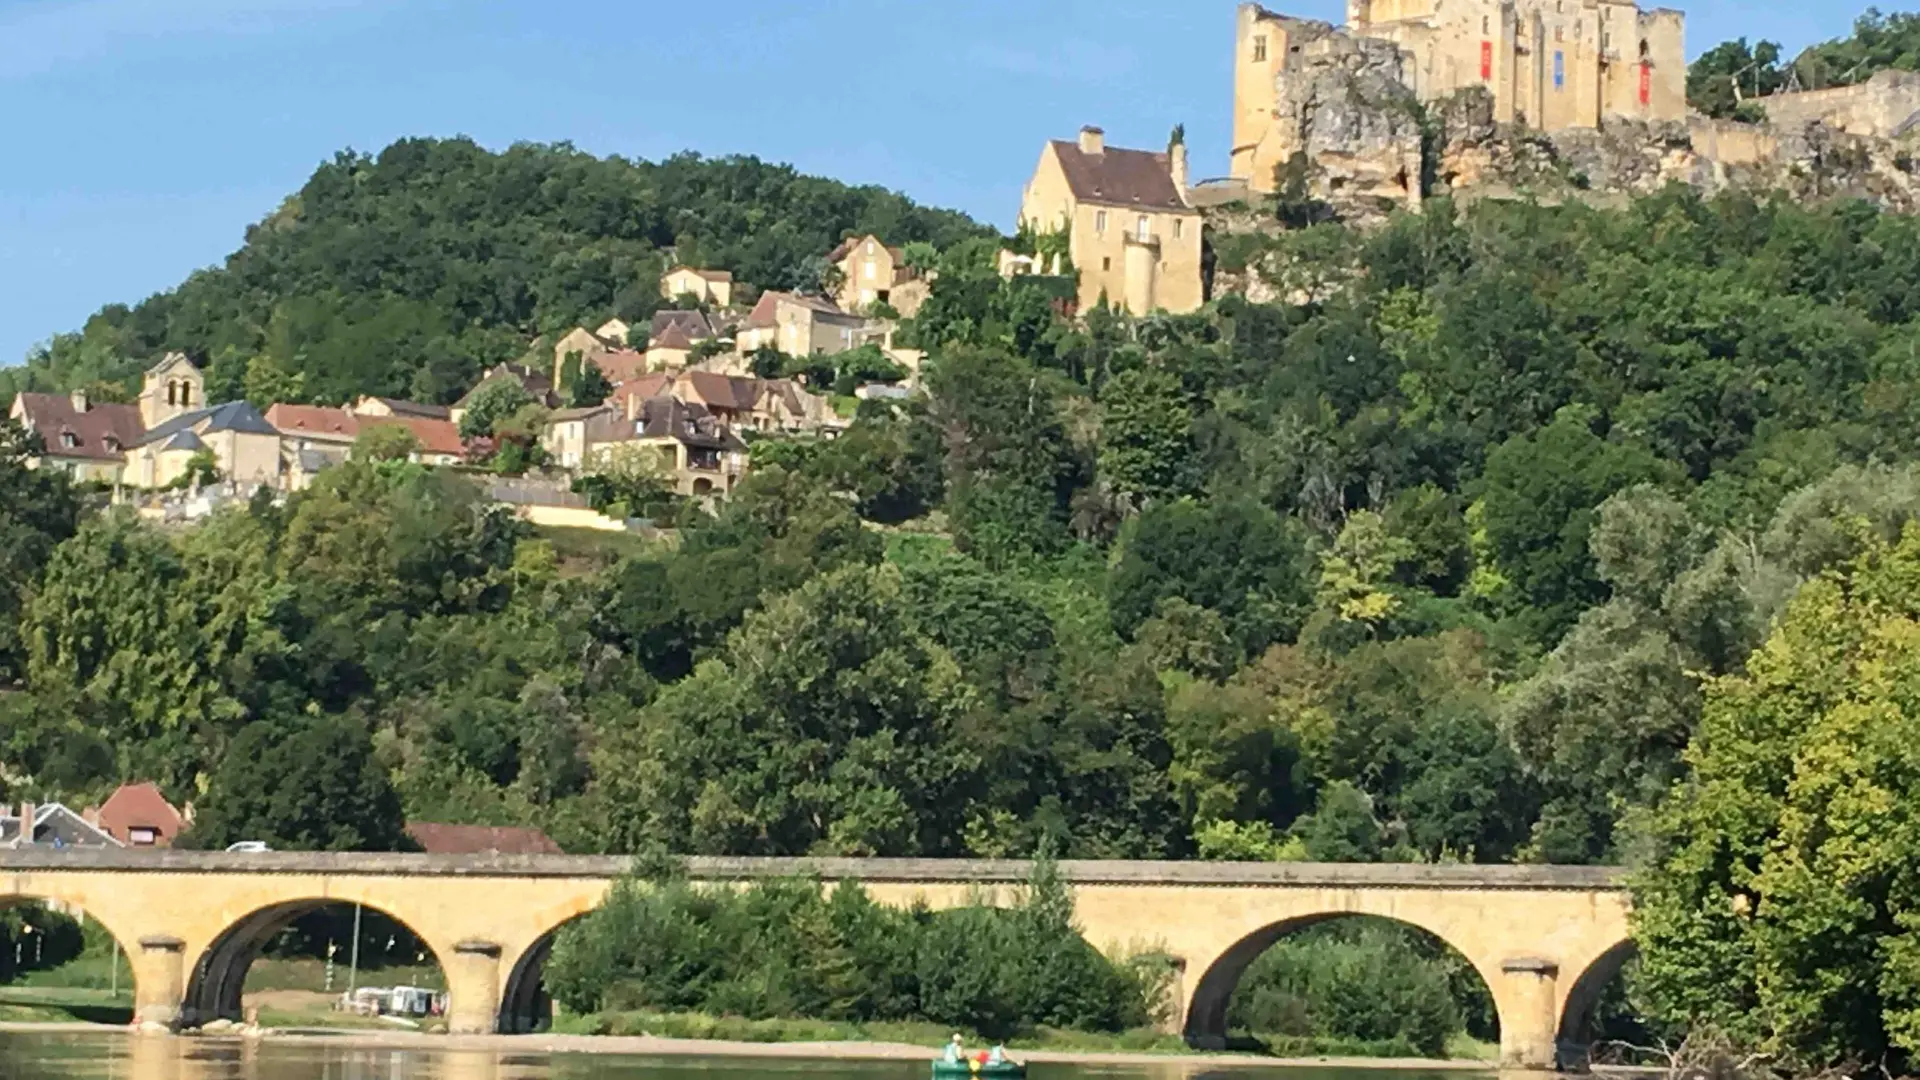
386 442
308 783
1780 906
1146 436
1733 73
38 510
1542 492
493 403
590 387
1241 560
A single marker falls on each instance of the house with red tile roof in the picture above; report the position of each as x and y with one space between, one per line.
138 816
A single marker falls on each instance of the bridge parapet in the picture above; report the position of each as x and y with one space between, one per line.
892 871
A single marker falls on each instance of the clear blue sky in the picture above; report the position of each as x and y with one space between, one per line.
143 136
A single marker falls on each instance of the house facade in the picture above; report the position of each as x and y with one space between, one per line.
138 816
1132 234
801 326
873 273
713 287
85 440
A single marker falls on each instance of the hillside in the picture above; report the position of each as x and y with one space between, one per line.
1879 42
408 272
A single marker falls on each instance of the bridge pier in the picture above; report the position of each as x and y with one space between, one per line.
1530 1015
473 988
159 980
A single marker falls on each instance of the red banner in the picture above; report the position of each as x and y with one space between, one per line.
1486 61
1646 84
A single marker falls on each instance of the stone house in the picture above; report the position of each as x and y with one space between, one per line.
801 326
49 825
873 273
1132 234
713 287
245 448
315 437
698 452
88 441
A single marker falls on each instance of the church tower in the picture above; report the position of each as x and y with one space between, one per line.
172 387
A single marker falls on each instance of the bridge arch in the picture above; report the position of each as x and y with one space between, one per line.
1583 995
215 987
1207 1008
525 1005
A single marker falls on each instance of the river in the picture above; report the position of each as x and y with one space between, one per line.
117 1057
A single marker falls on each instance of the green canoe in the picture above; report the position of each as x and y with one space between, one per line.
954 1070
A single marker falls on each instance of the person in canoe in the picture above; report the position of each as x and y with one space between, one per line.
956 1051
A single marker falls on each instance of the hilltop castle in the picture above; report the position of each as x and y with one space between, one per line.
1552 65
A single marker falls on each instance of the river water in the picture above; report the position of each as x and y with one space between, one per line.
114 1057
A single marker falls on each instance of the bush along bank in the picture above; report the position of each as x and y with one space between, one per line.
790 949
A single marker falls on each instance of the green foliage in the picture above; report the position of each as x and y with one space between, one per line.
409 272
793 949
38 510
305 784
1780 905
589 387
493 404
1354 979
1229 556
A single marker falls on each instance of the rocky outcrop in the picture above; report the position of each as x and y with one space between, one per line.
1347 110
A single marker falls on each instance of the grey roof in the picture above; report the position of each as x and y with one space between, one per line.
184 440
56 826
689 422
233 416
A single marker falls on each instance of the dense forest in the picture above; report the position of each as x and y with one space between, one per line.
1455 561
408 273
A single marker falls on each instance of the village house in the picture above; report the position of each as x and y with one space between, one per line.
315 437
674 337
86 440
801 326
713 287
697 452
49 825
138 816
380 406
873 273
1132 234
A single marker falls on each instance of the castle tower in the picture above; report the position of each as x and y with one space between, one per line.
171 388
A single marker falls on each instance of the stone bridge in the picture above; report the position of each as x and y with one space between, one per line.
1546 940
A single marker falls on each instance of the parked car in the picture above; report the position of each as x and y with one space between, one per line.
248 847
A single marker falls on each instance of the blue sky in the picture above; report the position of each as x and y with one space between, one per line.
144 136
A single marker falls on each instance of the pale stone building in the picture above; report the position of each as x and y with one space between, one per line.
85 439
1552 65
800 326
1132 233
707 286
873 273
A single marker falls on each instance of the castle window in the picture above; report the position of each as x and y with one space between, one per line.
1486 24
1100 221
1106 263
1179 228
1146 228
1260 49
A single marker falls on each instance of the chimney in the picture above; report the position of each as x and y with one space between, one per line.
27 810
79 399
1093 141
1177 159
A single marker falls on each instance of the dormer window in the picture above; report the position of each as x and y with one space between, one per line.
112 444
69 440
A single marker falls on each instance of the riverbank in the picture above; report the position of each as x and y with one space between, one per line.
656 1046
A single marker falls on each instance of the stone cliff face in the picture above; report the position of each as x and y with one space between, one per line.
1348 112
1364 147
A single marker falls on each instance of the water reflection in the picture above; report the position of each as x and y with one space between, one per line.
114 1057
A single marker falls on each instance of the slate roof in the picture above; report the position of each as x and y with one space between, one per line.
55 826
415 408
691 423
694 324
1114 177
184 440
95 431
233 416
